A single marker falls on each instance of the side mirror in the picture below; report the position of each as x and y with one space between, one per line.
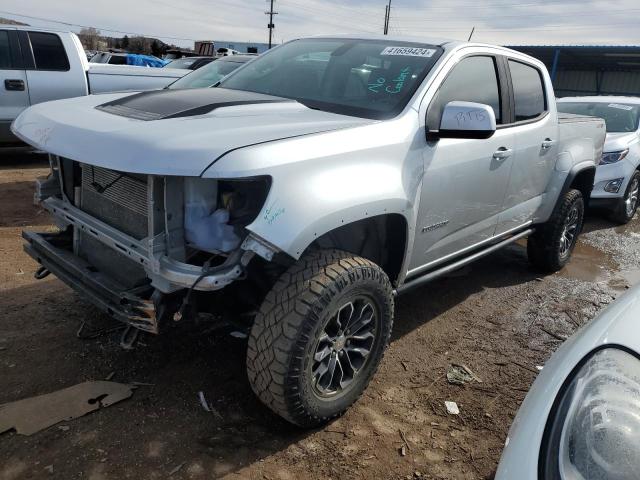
466 120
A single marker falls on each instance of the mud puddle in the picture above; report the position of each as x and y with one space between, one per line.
590 264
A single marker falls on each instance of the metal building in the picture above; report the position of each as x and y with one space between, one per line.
590 70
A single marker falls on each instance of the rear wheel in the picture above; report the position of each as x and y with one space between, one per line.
319 336
550 247
627 206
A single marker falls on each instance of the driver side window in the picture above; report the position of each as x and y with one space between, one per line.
474 79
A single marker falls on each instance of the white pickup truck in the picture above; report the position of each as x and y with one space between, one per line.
303 193
39 65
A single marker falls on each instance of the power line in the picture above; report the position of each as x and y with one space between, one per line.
596 14
339 21
348 11
112 30
348 19
517 29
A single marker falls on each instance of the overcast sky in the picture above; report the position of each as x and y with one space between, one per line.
496 21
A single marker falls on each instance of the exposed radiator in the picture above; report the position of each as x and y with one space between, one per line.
118 199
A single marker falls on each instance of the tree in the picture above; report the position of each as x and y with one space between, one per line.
90 37
156 49
125 42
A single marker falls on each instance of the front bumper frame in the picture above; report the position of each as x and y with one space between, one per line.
166 274
53 252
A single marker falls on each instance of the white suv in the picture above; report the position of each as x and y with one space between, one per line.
617 180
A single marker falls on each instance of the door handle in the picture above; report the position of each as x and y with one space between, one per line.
14 85
502 153
548 143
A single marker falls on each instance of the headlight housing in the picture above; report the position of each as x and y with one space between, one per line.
594 430
613 157
217 211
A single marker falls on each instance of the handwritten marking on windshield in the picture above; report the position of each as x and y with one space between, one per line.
395 86
399 81
377 85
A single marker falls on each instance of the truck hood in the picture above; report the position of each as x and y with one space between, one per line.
619 141
168 132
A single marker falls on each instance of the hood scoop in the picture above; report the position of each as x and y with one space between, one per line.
163 104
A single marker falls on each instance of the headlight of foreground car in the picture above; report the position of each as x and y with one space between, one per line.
595 432
613 157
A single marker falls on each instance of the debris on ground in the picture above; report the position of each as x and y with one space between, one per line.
203 402
403 451
539 367
30 415
404 439
452 408
49 468
459 374
238 334
177 469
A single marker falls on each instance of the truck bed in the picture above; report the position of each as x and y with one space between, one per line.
572 118
111 78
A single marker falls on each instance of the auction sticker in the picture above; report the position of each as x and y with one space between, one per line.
619 106
409 51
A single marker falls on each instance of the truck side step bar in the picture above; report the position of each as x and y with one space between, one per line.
433 274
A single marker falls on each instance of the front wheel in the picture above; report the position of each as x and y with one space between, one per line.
319 336
550 247
627 205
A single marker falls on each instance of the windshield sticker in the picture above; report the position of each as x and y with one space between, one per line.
409 51
620 107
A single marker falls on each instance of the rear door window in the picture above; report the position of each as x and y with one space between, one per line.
528 91
5 50
48 51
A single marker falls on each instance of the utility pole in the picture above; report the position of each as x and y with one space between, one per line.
387 16
271 26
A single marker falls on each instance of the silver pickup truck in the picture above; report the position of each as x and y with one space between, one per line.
39 65
306 191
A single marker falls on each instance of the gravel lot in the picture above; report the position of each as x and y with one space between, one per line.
498 317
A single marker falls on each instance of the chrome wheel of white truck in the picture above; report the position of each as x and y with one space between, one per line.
319 336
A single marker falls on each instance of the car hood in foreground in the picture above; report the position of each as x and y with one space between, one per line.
168 132
614 327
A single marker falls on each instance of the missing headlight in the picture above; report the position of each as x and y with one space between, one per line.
216 212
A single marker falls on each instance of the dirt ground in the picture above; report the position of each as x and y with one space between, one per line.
498 317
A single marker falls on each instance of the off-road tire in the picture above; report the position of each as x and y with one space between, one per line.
621 215
544 247
292 318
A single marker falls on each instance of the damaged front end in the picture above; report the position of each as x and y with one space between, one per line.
139 246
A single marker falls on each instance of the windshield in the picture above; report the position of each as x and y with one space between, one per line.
619 117
206 76
181 63
365 78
